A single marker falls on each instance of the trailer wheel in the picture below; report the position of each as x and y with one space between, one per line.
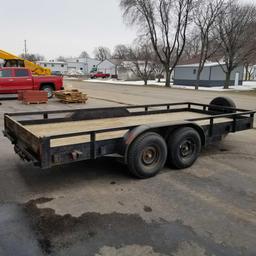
222 102
184 147
147 155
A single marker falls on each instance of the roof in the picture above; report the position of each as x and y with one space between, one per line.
106 60
51 62
195 65
116 62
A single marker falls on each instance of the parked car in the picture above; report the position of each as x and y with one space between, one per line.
57 73
13 80
99 75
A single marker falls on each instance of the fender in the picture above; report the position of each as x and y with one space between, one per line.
163 129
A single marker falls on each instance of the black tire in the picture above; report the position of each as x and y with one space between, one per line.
222 102
48 89
184 147
147 155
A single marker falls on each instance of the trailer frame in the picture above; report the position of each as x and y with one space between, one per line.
38 150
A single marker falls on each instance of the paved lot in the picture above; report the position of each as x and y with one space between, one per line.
96 208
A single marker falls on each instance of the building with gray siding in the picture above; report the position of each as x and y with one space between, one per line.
80 66
107 67
55 66
254 72
212 75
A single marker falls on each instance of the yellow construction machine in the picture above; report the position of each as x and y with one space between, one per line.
11 60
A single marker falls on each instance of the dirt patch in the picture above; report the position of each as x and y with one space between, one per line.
87 234
41 200
224 150
147 209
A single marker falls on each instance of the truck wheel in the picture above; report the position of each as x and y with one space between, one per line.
184 147
222 102
147 155
49 90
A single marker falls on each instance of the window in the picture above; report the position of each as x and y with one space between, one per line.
21 73
6 73
81 69
62 65
45 65
53 65
194 71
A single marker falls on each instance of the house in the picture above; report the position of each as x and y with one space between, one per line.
126 74
107 67
212 75
81 66
254 73
55 66
78 66
85 65
126 71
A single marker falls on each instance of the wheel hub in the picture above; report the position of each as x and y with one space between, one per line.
149 156
187 148
49 92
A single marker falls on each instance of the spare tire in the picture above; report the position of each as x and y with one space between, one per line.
217 103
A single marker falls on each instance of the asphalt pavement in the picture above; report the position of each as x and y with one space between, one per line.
96 208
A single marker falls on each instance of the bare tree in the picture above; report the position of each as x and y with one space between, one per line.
84 54
192 47
158 66
250 48
205 15
158 70
102 53
236 34
249 63
140 61
32 57
121 52
61 58
165 22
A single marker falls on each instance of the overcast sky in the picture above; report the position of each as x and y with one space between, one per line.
63 27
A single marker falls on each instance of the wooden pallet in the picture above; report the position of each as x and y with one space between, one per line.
71 96
33 97
20 95
73 101
34 102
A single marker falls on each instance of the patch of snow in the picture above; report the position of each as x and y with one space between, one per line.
115 81
247 86
74 72
70 78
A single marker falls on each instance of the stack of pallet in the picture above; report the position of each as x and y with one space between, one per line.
71 96
20 95
33 97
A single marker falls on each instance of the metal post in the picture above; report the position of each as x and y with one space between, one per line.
93 146
211 127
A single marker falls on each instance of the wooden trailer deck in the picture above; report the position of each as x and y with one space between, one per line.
50 129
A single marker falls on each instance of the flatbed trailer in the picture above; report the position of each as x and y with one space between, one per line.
145 137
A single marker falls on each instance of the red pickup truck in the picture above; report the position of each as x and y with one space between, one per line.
99 75
13 80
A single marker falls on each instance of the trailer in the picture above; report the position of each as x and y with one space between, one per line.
145 137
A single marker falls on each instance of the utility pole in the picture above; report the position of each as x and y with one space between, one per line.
25 48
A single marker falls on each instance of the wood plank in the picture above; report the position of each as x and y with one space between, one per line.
41 130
